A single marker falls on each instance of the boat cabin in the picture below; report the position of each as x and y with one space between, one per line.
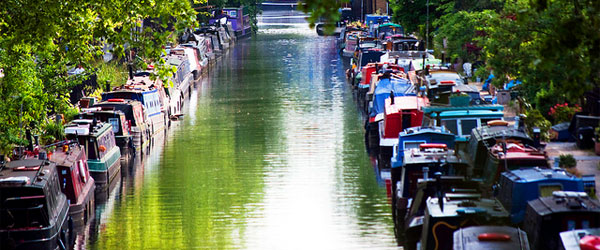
75 179
490 237
120 126
400 113
410 215
103 154
136 119
421 163
546 217
460 120
387 30
443 216
517 187
33 210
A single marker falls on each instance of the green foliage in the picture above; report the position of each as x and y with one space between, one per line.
535 119
115 72
566 161
40 40
52 131
563 112
322 10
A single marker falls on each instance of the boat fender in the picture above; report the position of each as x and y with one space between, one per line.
493 237
497 123
82 171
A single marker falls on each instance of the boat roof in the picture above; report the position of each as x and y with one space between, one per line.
390 25
429 134
440 109
456 205
564 201
405 103
417 156
469 238
68 158
538 174
83 127
491 133
470 113
28 173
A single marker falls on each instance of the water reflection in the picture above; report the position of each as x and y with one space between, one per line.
269 155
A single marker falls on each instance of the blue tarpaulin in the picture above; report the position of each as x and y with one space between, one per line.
401 87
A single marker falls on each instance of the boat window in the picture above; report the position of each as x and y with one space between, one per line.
467 125
570 225
23 208
450 125
585 224
547 189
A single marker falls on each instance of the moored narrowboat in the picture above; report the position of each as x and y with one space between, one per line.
120 126
103 154
519 186
409 228
77 184
460 120
136 120
546 217
399 113
34 213
490 237
446 214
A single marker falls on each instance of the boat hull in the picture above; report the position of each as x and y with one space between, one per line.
83 210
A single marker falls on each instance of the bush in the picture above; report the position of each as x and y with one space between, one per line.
52 132
567 161
536 119
562 112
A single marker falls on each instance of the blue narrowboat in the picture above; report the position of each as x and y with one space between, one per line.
519 186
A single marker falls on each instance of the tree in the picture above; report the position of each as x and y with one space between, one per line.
40 40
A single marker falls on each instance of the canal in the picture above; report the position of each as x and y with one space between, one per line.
270 155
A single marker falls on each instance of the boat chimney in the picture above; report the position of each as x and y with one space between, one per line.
28 136
392 96
36 138
94 122
440 193
107 86
536 137
42 156
130 68
426 173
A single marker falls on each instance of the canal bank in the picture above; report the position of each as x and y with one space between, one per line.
269 155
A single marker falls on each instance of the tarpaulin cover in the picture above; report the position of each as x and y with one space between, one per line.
401 87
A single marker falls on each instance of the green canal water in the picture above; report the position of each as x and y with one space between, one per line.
270 155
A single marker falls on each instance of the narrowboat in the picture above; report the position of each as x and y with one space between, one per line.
409 226
383 89
192 56
121 126
546 217
363 57
239 19
211 34
34 213
447 213
351 43
438 81
494 149
370 78
103 154
460 120
77 184
182 78
580 239
399 113
136 120
151 94
519 186
201 56
420 163
490 237
387 30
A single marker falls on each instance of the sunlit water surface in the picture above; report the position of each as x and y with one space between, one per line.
270 155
